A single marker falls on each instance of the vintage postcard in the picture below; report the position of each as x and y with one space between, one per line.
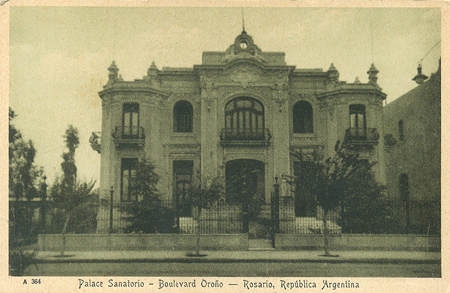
229 147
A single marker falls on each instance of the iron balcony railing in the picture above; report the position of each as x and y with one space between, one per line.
129 135
245 134
362 136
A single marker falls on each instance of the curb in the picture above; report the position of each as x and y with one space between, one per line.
231 260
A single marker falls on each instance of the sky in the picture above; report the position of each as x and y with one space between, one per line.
59 56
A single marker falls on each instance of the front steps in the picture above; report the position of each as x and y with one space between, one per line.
260 244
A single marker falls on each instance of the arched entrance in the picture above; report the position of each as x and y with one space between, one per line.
245 184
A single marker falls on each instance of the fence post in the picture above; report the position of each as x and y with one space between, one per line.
408 221
245 209
111 208
276 206
43 209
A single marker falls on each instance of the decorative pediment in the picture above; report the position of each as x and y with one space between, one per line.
244 73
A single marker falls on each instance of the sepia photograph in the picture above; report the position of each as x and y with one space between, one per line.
227 148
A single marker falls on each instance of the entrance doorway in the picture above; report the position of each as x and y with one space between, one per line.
245 184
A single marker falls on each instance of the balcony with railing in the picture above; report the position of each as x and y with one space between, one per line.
361 137
96 141
245 136
129 135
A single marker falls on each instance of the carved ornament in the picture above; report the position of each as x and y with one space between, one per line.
244 74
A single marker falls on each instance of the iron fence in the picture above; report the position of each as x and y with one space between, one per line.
415 217
308 223
220 218
25 221
389 217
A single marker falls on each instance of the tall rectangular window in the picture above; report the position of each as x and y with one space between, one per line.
182 177
358 121
130 120
302 114
182 117
128 172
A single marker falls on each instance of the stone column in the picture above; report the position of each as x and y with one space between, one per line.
106 147
114 167
209 132
154 139
280 134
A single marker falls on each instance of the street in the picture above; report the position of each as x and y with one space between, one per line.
238 269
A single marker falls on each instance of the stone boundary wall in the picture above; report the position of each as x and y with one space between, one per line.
110 242
359 242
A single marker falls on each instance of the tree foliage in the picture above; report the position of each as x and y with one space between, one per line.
23 173
203 195
347 183
76 201
23 185
365 207
147 214
68 165
79 207
323 179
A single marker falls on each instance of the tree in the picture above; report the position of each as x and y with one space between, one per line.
75 199
23 182
333 182
68 165
201 196
365 208
147 214
22 171
78 209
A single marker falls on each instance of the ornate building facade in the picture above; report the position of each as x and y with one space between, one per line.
242 107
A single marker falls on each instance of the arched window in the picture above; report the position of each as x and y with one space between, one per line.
357 120
244 118
182 117
401 131
302 117
130 120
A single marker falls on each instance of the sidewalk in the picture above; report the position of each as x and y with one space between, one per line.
415 257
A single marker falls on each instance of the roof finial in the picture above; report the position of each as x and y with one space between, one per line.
373 71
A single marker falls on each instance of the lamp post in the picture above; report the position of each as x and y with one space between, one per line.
276 206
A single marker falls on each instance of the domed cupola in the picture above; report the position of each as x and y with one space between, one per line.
243 48
244 43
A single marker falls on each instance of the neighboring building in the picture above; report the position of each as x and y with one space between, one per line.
240 108
412 127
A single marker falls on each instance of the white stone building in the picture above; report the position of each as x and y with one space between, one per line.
240 107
